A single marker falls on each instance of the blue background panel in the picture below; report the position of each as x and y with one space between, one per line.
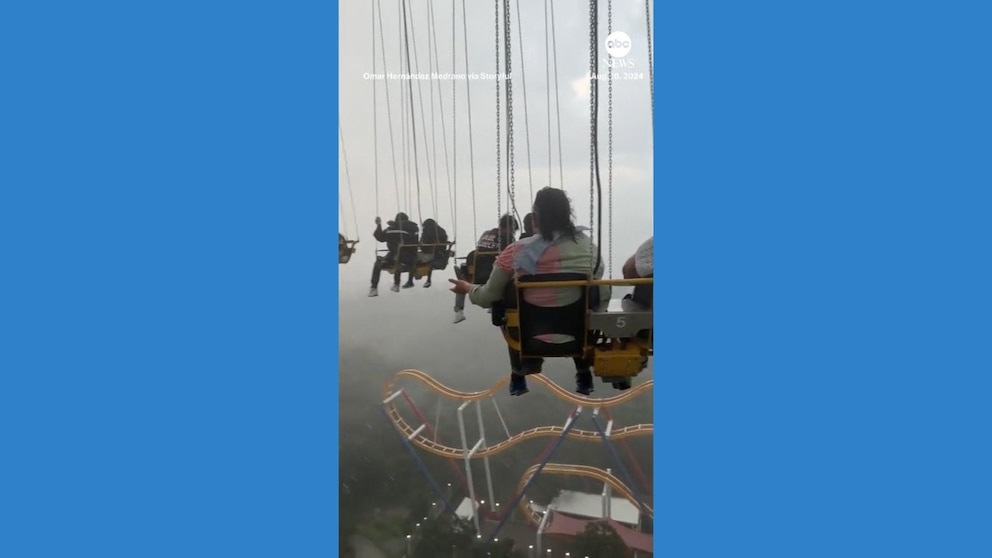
823 297
169 184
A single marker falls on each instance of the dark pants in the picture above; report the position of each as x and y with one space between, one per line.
381 262
532 365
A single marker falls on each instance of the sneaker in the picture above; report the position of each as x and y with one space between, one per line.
583 382
518 384
459 316
395 288
408 284
427 285
373 292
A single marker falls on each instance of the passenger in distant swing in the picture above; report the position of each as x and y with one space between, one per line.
528 226
491 243
558 247
401 238
641 266
342 246
433 247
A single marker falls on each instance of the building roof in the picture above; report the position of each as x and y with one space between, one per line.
591 506
559 524
466 510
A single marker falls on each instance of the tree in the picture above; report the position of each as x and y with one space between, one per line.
599 540
443 536
504 548
446 535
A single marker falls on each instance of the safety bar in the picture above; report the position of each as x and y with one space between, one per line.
448 244
586 283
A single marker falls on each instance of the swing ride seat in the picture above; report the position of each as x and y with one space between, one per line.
412 261
433 257
617 339
346 250
624 341
522 322
478 267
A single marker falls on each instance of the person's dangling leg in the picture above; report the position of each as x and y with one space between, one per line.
461 273
583 376
518 382
376 273
397 273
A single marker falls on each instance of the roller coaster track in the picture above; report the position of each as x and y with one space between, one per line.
442 450
576 471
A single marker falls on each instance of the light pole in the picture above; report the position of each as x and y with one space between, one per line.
408 545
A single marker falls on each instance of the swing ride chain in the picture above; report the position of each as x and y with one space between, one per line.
454 129
499 182
647 11
609 31
593 132
509 108
375 118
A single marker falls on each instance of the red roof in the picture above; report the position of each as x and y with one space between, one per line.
559 524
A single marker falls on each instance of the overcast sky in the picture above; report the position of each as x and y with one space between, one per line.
360 105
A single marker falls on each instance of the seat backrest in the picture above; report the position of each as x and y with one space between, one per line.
482 264
441 256
536 320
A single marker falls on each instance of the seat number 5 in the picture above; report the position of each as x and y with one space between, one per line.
621 322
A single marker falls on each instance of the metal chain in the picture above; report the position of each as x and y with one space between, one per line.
523 82
609 31
375 117
509 109
499 182
454 132
592 117
647 10
468 110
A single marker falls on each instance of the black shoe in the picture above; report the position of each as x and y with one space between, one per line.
408 285
427 285
583 382
518 384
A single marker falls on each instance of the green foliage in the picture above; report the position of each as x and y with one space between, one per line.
599 540
446 536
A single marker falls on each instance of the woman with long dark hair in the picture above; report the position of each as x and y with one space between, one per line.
557 246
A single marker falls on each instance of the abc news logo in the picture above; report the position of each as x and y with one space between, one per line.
618 46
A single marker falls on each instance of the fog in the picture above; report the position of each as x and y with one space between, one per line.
413 329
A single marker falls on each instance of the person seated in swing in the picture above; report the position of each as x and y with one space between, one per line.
491 242
528 226
342 247
433 247
401 241
640 266
557 247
